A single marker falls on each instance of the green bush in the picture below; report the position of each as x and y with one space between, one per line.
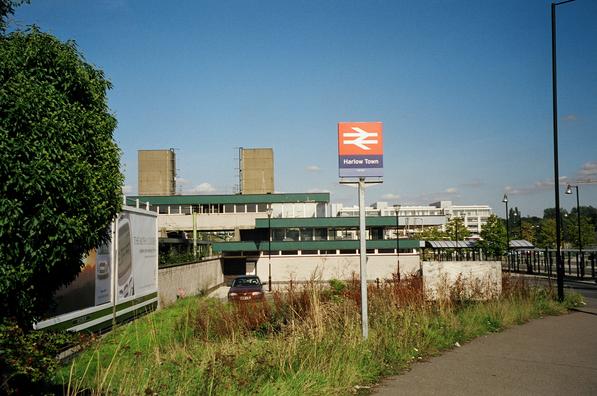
60 182
28 360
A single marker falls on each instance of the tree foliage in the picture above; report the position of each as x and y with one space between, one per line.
494 238
7 8
59 168
547 233
456 230
432 234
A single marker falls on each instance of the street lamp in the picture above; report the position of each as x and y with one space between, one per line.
397 211
556 170
269 246
569 191
505 200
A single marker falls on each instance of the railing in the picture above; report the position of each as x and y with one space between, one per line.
543 262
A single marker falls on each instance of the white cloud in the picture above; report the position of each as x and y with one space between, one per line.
451 190
390 196
588 173
318 190
569 117
180 181
312 168
202 188
127 189
537 186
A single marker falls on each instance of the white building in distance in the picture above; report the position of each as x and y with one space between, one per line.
415 218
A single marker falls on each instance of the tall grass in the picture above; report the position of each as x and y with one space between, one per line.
303 341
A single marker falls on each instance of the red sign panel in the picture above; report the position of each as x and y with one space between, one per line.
360 149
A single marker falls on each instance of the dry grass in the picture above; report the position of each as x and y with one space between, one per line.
305 340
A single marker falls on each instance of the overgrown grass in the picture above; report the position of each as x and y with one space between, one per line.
303 341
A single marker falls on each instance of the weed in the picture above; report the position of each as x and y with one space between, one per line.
305 340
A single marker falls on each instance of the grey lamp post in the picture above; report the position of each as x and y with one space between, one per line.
569 191
269 247
397 211
556 169
505 200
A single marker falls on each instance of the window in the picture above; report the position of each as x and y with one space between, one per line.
320 234
306 234
303 252
228 208
251 208
262 208
292 234
240 208
289 252
277 234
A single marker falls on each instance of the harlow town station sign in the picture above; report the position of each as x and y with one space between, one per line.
360 156
360 149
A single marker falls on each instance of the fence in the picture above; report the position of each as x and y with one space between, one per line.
531 261
543 262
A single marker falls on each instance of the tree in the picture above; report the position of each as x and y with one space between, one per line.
587 232
432 234
60 183
7 8
493 237
456 230
547 234
528 232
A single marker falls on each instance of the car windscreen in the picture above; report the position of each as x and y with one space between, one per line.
246 282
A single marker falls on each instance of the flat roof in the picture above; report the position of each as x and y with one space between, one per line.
264 246
232 198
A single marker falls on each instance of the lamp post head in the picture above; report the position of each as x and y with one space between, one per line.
505 199
569 189
397 207
269 211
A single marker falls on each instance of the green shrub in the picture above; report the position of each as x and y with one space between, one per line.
28 360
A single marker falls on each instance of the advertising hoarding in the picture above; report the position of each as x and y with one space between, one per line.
130 274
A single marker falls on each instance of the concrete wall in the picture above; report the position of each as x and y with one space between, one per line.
216 221
257 170
157 171
478 279
190 279
303 268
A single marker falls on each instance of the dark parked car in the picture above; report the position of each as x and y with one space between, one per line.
246 288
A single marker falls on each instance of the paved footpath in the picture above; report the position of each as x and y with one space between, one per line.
551 356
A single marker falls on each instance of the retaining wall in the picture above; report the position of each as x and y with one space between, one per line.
304 268
189 279
476 279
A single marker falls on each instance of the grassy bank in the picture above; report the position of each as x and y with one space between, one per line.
305 341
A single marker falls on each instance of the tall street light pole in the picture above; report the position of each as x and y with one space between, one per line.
397 211
505 200
269 247
569 191
556 170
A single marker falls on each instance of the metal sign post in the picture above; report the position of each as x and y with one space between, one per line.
363 252
360 160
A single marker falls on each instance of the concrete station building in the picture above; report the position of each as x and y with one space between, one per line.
309 235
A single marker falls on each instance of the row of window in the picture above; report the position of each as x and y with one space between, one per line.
332 234
210 208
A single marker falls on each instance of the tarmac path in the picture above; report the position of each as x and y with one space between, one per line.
555 355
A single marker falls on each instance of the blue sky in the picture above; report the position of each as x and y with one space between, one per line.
463 89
